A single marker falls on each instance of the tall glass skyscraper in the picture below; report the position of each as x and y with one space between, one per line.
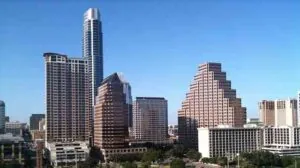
93 48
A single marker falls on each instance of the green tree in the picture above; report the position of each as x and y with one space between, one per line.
222 161
128 165
178 151
146 164
152 155
205 160
177 163
193 155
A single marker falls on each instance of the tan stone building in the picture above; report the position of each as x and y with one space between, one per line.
278 112
267 112
210 102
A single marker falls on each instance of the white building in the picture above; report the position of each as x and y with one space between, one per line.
283 140
173 130
67 153
14 128
225 141
286 112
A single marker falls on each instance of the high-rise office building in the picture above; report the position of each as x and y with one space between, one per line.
267 112
127 91
111 117
111 114
93 48
68 104
210 102
2 117
286 112
150 119
34 121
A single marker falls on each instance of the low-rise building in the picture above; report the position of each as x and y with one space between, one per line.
225 141
284 140
67 153
107 153
40 145
37 134
15 128
11 148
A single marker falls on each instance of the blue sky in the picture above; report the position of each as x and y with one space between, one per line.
157 45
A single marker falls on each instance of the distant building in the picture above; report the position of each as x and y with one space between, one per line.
255 121
15 128
267 112
38 135
11 148
228 141
34 121
150 119
286 112
210 102
67 153
2 117
284 140
298 103
6 118
173 130
42 124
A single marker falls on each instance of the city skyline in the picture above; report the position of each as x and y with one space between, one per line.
156 58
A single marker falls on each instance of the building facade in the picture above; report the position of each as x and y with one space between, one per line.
150 119
34 121
6 118
286 112
111 118
67 153
93 48
111 114
37 135
15 128
42 125
173 130
267 112
283 140
39 146
210 102
298 107
228 141
2 117
68 100
11 148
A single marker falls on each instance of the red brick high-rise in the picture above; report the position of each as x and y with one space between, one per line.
111 114
210 102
